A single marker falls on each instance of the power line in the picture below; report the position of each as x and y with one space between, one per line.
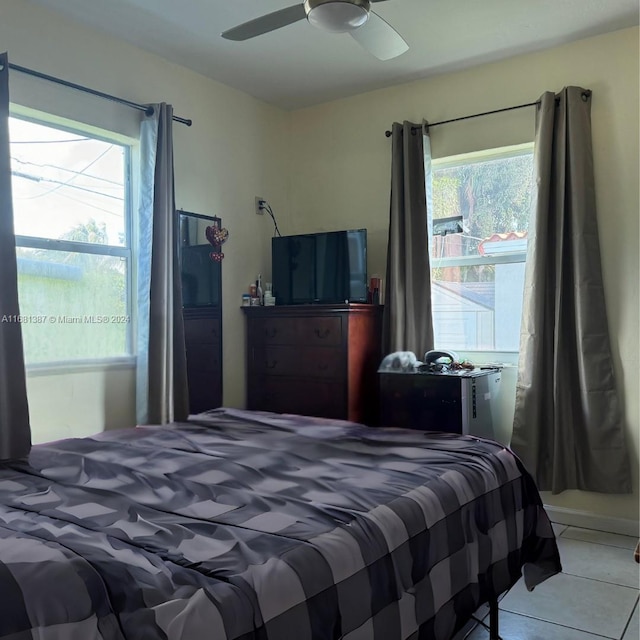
92 206
49 141
68 184
55 166
61 184
86 204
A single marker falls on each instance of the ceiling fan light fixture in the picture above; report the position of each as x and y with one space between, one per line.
337 16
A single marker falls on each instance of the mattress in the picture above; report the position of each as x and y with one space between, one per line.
243 525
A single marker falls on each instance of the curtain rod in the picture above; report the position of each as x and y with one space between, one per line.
72 85
585 95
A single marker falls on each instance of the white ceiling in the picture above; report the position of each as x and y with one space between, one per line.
299 66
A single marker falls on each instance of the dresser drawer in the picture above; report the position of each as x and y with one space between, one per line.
321 331
273 330
423 402
282 394
205 390
279 360
201 331
203 357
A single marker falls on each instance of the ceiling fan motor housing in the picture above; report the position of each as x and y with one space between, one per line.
337 16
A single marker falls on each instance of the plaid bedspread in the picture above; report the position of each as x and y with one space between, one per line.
254 526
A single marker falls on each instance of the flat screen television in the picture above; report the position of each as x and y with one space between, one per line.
320 268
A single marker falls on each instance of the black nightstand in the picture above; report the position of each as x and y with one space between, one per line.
456 402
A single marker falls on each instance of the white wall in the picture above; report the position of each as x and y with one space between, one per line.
233 151
340 169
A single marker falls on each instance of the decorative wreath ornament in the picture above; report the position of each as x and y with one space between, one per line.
216 237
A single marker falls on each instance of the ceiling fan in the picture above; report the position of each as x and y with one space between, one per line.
353 16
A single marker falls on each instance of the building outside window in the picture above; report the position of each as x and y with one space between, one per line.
72 224
478 273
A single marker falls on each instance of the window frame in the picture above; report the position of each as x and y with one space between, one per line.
481 356
124 252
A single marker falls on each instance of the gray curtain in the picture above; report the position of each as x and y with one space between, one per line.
15 433
407 321
568 425
161 391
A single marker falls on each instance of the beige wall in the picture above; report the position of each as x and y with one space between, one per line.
340 176
327 168
233 151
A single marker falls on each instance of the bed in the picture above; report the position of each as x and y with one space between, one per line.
243 525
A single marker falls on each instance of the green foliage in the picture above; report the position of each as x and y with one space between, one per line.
73 319
492 197
75 312
90 231
446 203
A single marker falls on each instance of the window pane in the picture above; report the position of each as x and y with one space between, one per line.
478 308
493 198
73 305
67 186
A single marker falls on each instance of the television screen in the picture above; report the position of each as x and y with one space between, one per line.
317 268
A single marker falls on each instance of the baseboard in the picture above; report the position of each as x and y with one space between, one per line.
587 520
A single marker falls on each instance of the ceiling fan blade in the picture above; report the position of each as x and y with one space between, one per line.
379 38
264 24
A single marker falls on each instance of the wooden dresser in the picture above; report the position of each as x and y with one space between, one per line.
318 360
203 341
201 279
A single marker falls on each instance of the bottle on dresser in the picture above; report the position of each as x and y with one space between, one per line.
259 293
253 294
269 300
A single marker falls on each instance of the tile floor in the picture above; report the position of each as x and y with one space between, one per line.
595 597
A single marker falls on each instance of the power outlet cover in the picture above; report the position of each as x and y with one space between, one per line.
259 209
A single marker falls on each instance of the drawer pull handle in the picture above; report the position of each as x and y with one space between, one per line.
272 364
271 333
322 333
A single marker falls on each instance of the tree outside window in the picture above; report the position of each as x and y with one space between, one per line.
478 274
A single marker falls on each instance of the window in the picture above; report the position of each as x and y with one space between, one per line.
478 273
72 219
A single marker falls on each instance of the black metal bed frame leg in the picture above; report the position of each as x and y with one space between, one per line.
493 619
